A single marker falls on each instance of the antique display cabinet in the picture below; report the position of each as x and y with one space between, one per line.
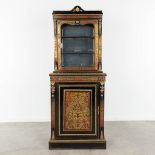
77 83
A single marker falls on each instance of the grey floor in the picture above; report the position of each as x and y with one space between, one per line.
123 138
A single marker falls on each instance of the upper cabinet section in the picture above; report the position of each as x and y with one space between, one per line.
77 40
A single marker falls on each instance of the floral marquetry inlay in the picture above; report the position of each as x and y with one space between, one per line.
77 110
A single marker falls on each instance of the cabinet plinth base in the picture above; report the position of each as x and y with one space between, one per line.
77 144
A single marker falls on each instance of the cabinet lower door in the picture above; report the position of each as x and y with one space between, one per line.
76 111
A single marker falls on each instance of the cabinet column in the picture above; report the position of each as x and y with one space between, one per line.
101 110
53 109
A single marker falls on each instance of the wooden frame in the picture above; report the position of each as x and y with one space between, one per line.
59 56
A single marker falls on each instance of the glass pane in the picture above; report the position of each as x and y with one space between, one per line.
77 59
78 45
77 30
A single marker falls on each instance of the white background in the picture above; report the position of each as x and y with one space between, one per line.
26 57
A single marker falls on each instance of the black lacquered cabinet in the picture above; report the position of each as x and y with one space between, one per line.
77 83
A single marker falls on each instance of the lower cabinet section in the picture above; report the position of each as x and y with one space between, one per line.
77 115
76 111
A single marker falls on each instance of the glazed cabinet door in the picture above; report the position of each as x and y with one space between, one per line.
77 44
77 111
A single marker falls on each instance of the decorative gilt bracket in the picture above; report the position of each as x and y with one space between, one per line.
77 9
102 88
52 88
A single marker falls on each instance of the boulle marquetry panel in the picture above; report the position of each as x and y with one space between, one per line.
77 110
77 83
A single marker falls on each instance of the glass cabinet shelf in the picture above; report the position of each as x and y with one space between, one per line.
91 37
74 60
78 53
